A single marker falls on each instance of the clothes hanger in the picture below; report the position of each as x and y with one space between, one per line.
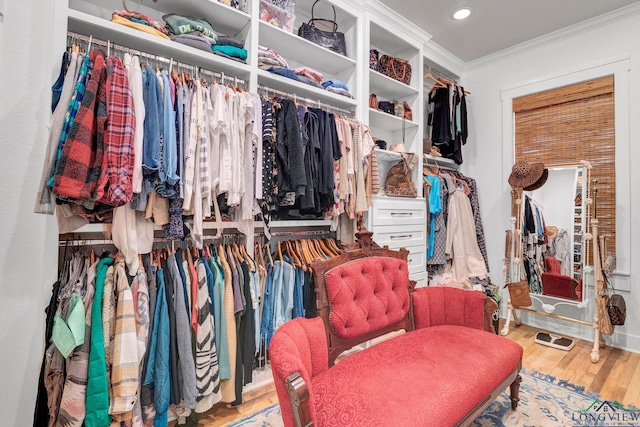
259 256
267 249
306 252
280 252
318 249
249 260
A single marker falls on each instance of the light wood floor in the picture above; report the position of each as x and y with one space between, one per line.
615 377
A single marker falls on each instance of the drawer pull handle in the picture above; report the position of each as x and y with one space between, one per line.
402 236
402 214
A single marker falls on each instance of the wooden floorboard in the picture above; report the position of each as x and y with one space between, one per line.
616 376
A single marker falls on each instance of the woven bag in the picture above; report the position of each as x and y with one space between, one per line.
399 181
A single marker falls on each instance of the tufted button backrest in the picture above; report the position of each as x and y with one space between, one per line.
366 295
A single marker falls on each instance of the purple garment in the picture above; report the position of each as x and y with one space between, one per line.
229 41
175 228
192 40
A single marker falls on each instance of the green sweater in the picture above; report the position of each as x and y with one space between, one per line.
97 412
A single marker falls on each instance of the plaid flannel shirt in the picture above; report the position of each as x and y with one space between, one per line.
81 160
115 185
72 111
124 373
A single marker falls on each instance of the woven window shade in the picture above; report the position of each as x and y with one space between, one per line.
568 124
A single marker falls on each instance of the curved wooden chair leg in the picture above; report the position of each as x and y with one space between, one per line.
515 392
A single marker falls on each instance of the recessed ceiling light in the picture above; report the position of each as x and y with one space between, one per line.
462 13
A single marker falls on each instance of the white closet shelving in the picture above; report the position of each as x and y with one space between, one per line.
303 51
398 221
389 122
363 30
304 90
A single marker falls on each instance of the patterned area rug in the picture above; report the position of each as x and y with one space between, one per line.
544 401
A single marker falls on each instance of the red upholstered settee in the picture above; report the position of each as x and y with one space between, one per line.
444 371
555 284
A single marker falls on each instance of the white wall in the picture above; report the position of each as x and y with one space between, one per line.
27 240
484 156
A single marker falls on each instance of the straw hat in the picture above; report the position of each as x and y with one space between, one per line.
528 176
551 231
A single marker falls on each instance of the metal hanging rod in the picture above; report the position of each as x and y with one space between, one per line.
155 58
441 74
328 233
266 90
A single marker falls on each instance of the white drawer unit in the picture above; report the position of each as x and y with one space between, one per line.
400 236
417 259
398 211
401 223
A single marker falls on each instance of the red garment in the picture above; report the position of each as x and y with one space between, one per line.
81 160
115 186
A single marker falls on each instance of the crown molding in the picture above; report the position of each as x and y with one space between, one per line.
609 18
396 22
445 60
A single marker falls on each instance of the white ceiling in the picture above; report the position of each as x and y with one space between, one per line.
495 25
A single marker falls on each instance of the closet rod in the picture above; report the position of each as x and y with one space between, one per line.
90 242
441 74
303 233
152 57
266 90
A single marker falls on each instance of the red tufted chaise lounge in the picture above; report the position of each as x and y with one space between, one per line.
444 371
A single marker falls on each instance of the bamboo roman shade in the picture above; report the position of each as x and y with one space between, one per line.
569 124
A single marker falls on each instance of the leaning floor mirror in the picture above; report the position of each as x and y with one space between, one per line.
550 241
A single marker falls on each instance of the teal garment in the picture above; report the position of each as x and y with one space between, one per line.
157 375
219 320
97 400
236 52
435 207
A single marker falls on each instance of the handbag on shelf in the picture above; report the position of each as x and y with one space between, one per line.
408 114
329 37
386 107
373 101
399 181
398 109
374 57
397 68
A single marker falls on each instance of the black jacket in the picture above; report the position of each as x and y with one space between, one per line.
289 150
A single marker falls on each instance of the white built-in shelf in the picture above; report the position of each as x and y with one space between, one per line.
387 88
388 42
387 156
304 90
441 161
302 51
224 19
103 29
382 120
